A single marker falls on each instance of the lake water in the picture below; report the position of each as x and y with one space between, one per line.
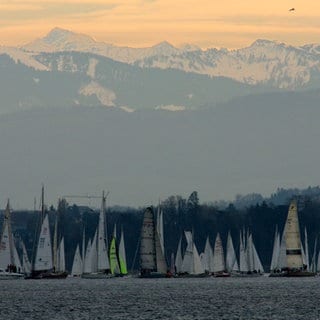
132 298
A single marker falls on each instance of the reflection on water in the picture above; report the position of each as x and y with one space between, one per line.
223 298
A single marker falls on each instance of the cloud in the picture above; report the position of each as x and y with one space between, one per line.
39 11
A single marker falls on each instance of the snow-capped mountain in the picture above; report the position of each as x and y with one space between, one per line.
264 62
64 79
58 40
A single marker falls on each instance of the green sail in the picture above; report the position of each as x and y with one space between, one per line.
114 267
123 266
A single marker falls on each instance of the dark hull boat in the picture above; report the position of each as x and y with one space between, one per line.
47 275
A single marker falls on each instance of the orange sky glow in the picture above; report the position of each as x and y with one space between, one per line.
139 23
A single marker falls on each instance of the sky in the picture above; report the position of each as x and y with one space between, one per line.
139 23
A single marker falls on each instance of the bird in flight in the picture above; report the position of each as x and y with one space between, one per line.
292 9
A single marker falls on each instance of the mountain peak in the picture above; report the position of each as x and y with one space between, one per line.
58 34
263 43
164 45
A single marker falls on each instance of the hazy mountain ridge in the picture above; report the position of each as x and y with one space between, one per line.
264 62
75 78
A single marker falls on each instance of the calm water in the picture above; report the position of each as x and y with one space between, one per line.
228 298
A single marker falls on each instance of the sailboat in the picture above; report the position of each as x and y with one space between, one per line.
231 258
117 256
250 263
10 266
295 267
219 266
152 260
191 264
45 264
96 262
207 257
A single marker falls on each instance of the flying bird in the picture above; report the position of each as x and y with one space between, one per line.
292 9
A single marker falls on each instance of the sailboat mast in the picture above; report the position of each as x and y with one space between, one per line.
55 240
42 205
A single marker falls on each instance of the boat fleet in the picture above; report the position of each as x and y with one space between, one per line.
98 259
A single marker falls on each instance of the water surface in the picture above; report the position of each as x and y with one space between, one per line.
120 298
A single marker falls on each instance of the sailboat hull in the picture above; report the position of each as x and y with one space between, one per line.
47 275
97 276
4 275
293 273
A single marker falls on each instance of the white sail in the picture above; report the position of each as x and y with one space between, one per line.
94 254
231 259
235 266
276 251
26 265
197 265
5 254
161 262
6 242
249 253
147 245
187 263
77 263
218 255
102 251
17 259
191 261
178 260
43 260
257 265
160 227
61 256
292 237
282 260
242 256
208 257
313 265
87 268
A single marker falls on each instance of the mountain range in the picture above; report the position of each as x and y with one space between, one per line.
264 62
81 115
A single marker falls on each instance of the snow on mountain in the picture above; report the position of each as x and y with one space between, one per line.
104 95
23 57
264 62
58 40
171 107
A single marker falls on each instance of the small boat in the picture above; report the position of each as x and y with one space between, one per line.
45 264
219 266
8 275
294 263
96 261
191 267
10 266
